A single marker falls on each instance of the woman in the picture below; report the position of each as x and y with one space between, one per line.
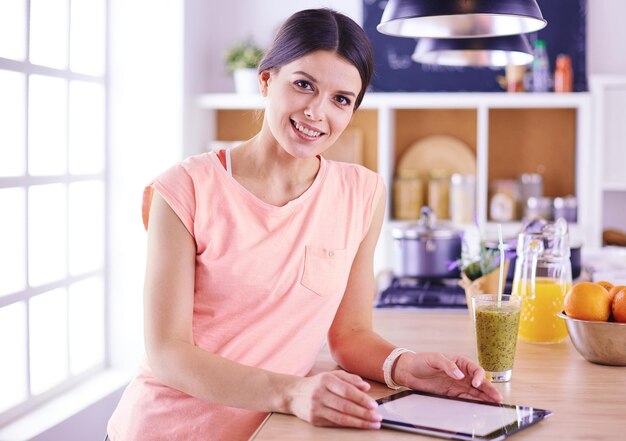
256 256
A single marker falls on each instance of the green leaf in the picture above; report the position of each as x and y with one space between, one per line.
243 55
487 261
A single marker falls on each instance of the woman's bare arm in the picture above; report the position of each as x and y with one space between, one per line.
353 343
358 349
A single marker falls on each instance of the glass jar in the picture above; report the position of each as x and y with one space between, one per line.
462 198
543 275
439 193
531 186
538 208
504 200
408 195
567 208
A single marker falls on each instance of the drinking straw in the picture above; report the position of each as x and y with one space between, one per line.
501 279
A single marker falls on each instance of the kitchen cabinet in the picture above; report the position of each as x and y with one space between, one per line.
509 134
609 100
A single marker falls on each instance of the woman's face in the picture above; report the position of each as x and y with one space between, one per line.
310 102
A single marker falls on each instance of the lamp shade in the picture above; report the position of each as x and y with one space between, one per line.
492 51
460 18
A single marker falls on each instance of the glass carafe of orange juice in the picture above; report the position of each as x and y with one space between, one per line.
543 275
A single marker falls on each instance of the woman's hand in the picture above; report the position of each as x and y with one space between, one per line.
334 398
443 374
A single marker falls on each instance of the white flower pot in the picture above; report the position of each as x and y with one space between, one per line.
246 81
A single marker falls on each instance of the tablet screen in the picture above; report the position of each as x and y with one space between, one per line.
455 418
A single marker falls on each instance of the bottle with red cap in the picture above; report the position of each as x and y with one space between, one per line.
563 75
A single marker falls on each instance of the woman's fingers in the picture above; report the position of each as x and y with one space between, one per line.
468 377
447 365
350 389
336 418
346 404
490 390
477 394
478 377
352 379
476 373
352 400
487 390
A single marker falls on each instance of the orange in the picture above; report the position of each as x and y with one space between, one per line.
588 301
619 306
606 285
615 290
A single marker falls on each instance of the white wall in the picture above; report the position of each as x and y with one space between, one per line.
606 35
146 128
606 55
214 25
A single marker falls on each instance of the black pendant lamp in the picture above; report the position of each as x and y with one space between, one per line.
493 51
460 18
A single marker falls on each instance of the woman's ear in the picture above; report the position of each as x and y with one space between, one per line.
264 82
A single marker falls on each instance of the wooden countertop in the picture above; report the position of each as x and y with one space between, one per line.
588 401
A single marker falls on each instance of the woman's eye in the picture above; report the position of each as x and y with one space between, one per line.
303 84
342 100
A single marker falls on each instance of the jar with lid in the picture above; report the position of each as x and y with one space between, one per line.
504 200
531 185
567 208
439 193
543 275
538 207
462 198
408 195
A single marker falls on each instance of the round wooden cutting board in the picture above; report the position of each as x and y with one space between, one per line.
438 152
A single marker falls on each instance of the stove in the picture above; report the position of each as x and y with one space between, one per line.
411 292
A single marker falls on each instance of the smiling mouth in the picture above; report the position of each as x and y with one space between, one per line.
308 132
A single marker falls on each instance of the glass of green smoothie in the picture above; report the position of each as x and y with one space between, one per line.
496 324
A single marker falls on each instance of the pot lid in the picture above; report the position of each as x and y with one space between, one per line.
427 227
415 231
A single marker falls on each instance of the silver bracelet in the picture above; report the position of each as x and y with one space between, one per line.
388 366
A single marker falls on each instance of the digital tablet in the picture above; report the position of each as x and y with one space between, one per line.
455 418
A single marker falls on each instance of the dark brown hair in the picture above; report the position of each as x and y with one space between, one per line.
322 29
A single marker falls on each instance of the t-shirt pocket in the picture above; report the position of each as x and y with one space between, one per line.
323 270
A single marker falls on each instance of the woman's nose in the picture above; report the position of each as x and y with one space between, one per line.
315 109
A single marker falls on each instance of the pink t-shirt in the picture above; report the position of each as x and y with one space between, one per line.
268 283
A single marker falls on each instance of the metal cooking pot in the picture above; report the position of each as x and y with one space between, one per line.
425 249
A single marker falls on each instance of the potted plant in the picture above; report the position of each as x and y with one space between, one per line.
481 274
480 266
242 61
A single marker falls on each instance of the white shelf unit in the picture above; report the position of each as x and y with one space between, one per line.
389 108
614 186
609 101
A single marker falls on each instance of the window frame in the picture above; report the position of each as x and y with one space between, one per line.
25 181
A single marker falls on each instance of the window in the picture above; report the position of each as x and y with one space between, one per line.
52 198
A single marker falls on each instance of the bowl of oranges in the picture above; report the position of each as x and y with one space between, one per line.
595 314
